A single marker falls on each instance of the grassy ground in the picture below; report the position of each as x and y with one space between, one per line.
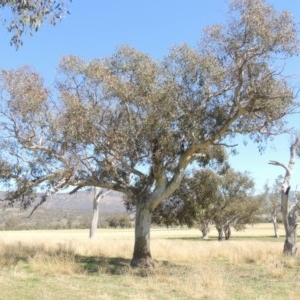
65 264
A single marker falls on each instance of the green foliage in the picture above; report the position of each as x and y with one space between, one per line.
224 200
115 114
133 124
121 221
22 15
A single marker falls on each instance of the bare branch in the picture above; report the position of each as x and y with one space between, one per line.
277 163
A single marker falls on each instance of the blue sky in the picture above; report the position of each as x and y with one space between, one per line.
95 28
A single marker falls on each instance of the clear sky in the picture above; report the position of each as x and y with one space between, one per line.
95 28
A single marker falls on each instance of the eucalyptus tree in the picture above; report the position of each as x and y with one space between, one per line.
235 205
225 200
289 211
272 203
98 195
192 204
22 15
133 124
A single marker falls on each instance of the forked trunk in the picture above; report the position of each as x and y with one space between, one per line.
142 254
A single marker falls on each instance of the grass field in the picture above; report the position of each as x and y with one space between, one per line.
65 264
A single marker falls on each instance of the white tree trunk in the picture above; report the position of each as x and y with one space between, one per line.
204 227
275 226
98 195
289 214
144 207
290 226
142 254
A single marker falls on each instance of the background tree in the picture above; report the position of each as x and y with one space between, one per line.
133 124
206 198
192 203
289 212
98 195
272 203
22 15
235 204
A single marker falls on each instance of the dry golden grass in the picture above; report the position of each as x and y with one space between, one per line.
66 264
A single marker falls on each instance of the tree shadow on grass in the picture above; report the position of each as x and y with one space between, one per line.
265 238
12 255
95 265
233 238
196 239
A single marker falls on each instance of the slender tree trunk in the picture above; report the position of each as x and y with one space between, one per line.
142 254
98 195
204 227
275 226
95 218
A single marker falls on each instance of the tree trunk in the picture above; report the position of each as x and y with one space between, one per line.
290 224
99 194
275 226
227 231
141 254
94 224
290 243
289 214
204 227
220 232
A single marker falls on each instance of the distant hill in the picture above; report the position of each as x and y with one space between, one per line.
82 201
62 210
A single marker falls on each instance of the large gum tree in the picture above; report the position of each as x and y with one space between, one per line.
133 124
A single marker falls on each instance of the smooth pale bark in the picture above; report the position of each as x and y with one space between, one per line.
290 226
99 194
275 226
95 218
289 214
142 254
204 227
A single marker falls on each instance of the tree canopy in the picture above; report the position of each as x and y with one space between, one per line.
22 15
207 197
133 124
